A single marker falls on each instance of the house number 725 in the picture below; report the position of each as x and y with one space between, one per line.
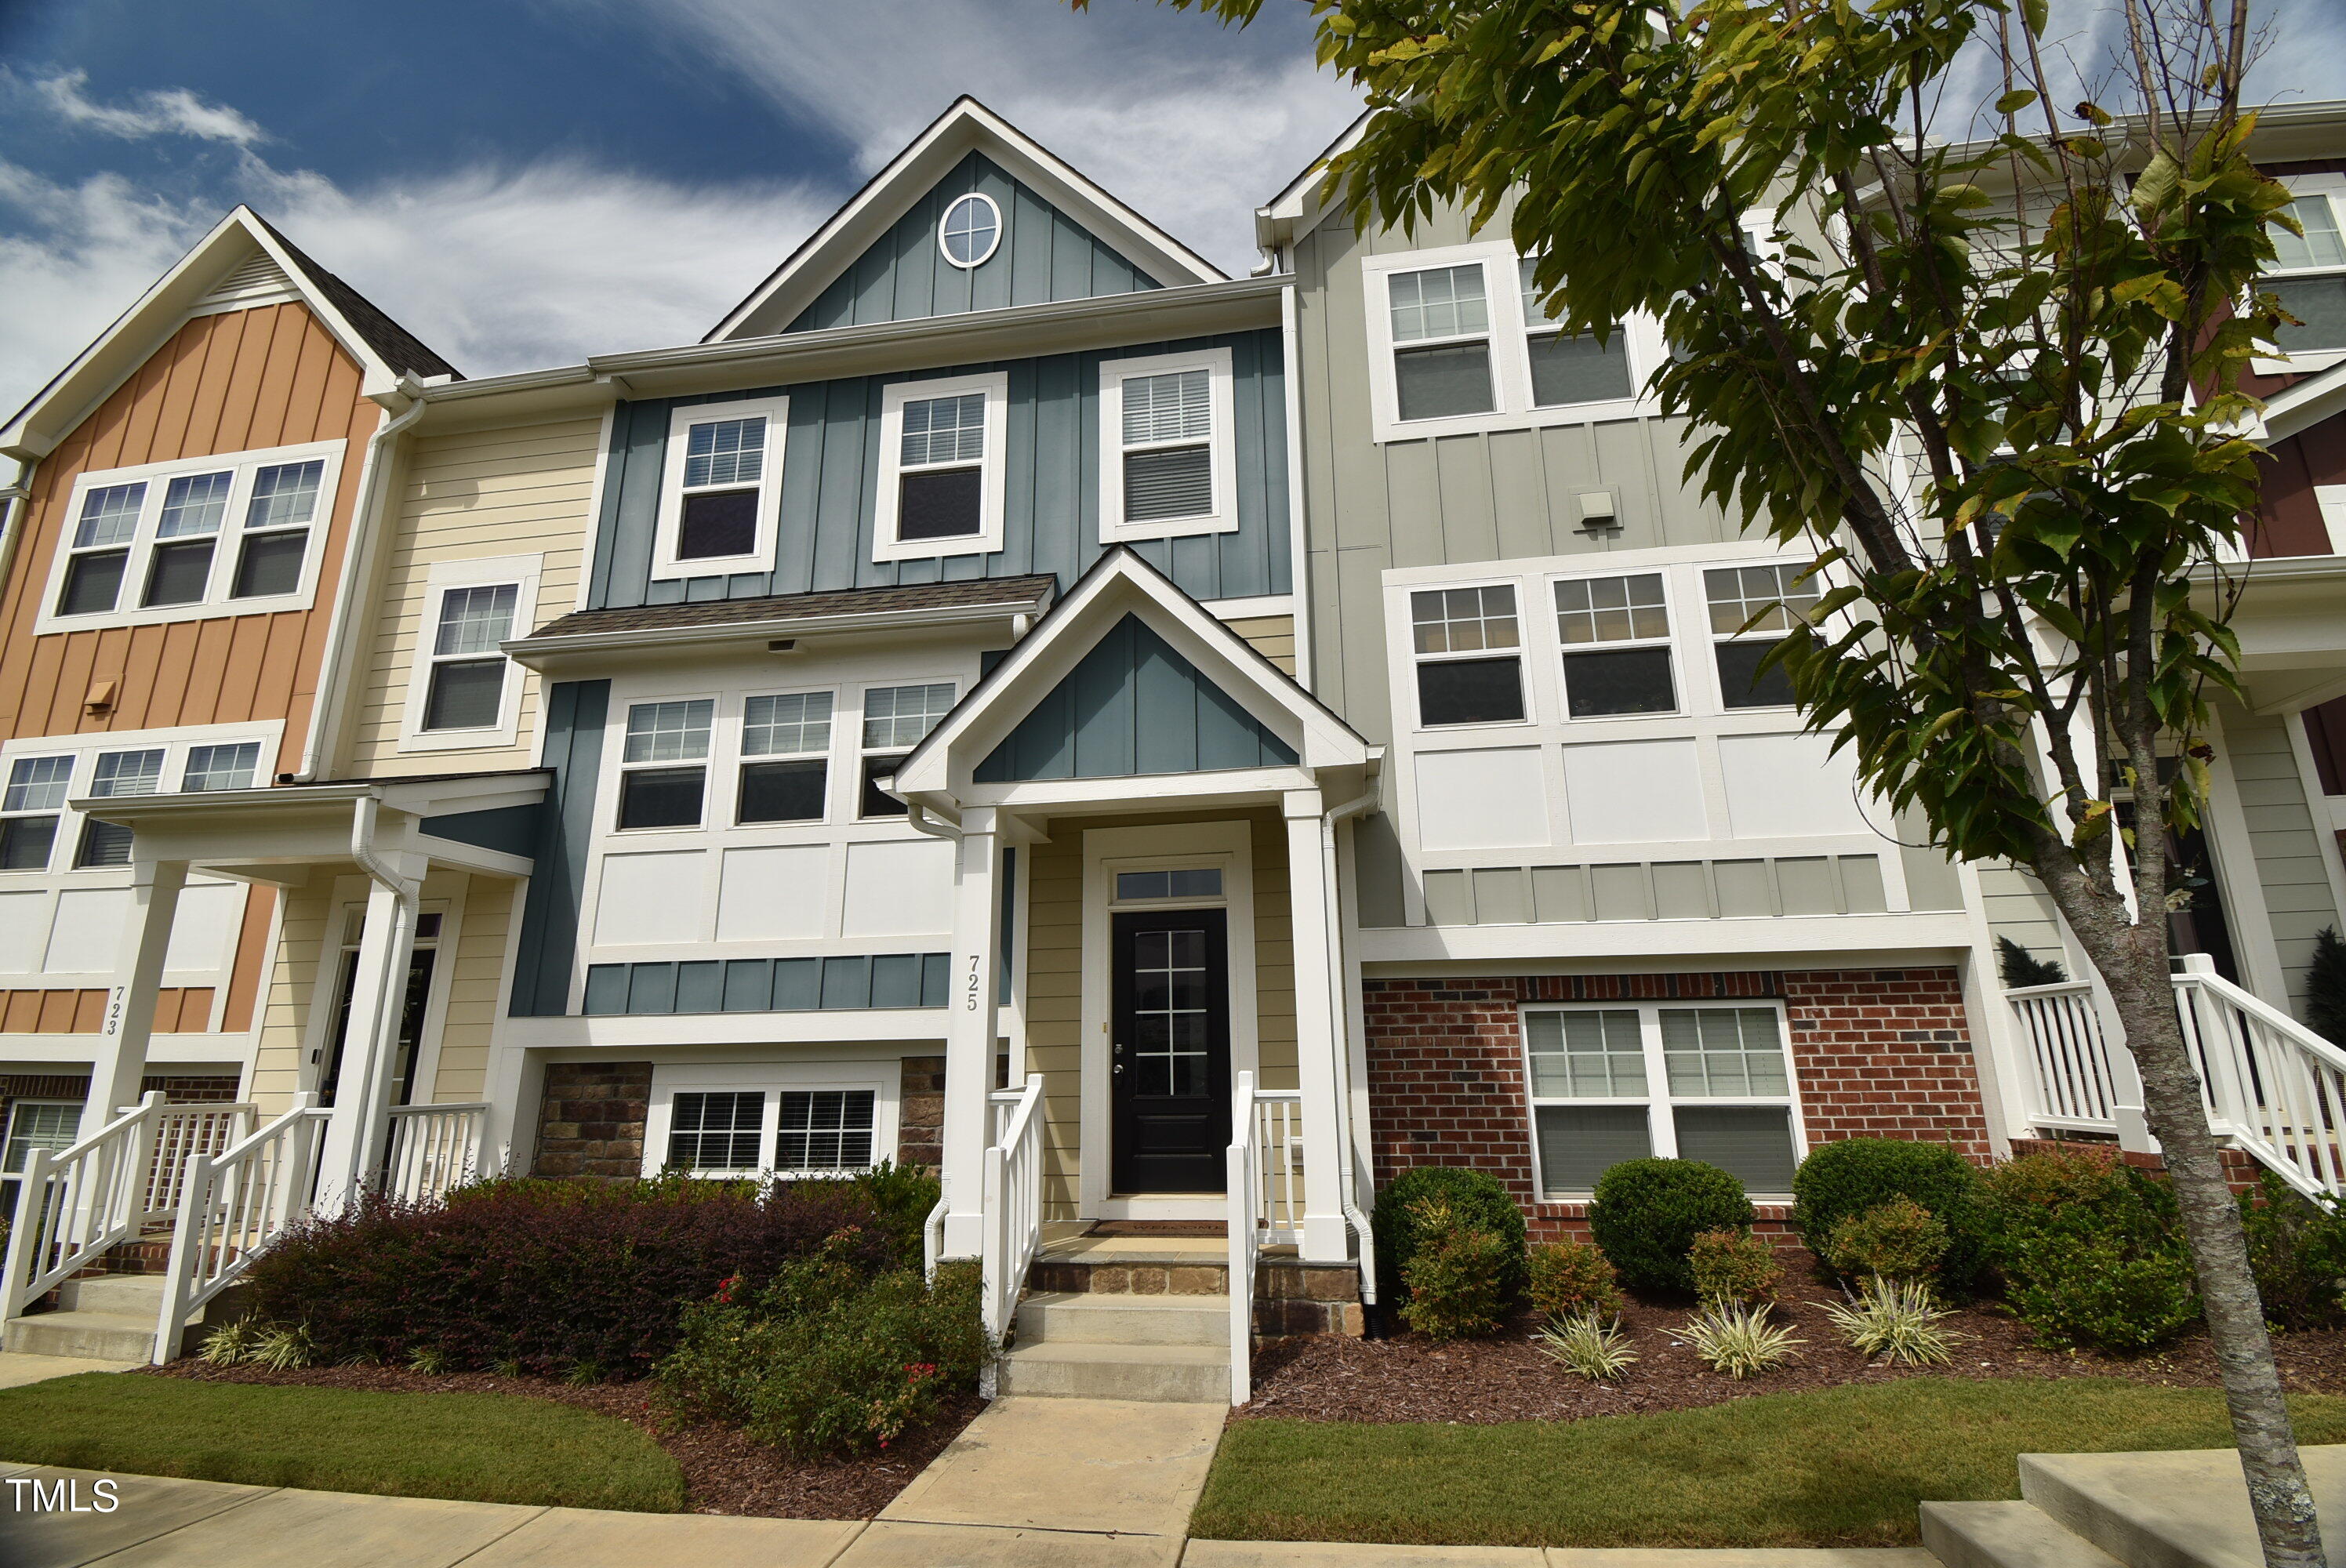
970 1004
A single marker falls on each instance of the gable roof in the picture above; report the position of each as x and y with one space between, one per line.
221 272
888 195
1303 201
2306 402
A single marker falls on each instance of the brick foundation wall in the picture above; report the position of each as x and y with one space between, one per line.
590 1119
1875 1054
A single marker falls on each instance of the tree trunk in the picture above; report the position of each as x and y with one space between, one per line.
2132 962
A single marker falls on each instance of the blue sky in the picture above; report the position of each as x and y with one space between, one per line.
522 182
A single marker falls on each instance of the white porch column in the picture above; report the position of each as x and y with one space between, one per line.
1316 1028
356 1128
121 1060
970 1027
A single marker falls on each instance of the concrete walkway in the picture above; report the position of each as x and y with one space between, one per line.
17 1368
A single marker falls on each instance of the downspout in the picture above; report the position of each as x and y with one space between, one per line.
333 679
1339 1016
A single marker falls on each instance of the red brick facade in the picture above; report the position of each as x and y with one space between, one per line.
1875 1053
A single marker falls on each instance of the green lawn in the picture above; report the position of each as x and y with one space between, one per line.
488 1448
1830 1467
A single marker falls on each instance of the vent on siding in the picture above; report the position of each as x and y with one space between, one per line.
259 281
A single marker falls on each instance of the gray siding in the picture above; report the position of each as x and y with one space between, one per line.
2290 875
1132 706
831 466
1043 255
2017 906
1455 499
574 715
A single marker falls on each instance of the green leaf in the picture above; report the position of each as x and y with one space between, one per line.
2012 102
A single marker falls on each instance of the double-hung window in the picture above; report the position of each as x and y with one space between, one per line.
895 719
466 686
29 807
1613 1083
2309 275
170 540
718 1129
722 488
942 466
1747 604
785 752
1615 632
1469 655
1441 342
227 767
118 773
1167 444
1570 367
47 1124
664 764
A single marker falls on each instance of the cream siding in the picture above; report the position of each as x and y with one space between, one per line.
2289 876
514 492
1273 637
277 1063
472 974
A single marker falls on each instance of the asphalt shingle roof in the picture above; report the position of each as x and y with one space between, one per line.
1029 593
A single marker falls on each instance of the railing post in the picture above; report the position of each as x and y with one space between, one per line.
24 1236
1241 1261
993 1262
188 1234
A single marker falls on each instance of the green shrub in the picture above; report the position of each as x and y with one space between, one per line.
1733 1265
1572 1279
1593 1346
1899 1239
2298 1248
1648 1213
1454 1274
1895 1320
1740 1341
2091 1251
1478 1199
901 1197
828 1358
1849 1178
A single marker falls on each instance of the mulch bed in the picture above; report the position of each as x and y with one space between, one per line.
724 1472
1407 1378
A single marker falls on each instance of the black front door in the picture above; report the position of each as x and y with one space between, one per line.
1169 1050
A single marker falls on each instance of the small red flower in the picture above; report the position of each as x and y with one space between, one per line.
725 1288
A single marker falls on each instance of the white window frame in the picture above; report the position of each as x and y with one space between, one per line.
242 467
1522 653
1789 574
862 752
707 761
881 1077
86 747
1671 639
1661 1129
1511 378
667 565
1000 228
735 726
2304 362
1222 445
994 467
521 573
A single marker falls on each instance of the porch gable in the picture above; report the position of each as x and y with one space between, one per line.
1132 705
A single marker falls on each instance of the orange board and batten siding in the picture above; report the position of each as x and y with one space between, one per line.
178 1010
237 381
241 381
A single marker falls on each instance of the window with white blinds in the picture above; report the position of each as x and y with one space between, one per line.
1165 429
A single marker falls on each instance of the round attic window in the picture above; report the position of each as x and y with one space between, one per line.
970 229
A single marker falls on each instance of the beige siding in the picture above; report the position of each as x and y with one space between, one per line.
2018 907
2290 875
514 492
1054 982
476 967
285 1014
1273 637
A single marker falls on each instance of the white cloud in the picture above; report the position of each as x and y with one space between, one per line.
171 111
1192 124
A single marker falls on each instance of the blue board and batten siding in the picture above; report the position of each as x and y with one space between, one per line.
1043 255
1132 706
575 712
853 982
831 470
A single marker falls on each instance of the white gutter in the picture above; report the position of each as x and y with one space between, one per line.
333 679
1339 1022
529 650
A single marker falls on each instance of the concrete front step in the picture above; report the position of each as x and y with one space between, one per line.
134 1294
91 1335
2005 1535
2181 1509
1163 1374
1101 1318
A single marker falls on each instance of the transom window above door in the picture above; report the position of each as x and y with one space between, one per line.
171 541
940 466
721 491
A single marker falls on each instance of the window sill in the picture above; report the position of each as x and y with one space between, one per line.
1388 430
1169 528
936 549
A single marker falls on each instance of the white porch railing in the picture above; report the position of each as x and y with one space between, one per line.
235 1204
1265 1179
432 1148
75 1203
182 1132
2270 1085
1013 1203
